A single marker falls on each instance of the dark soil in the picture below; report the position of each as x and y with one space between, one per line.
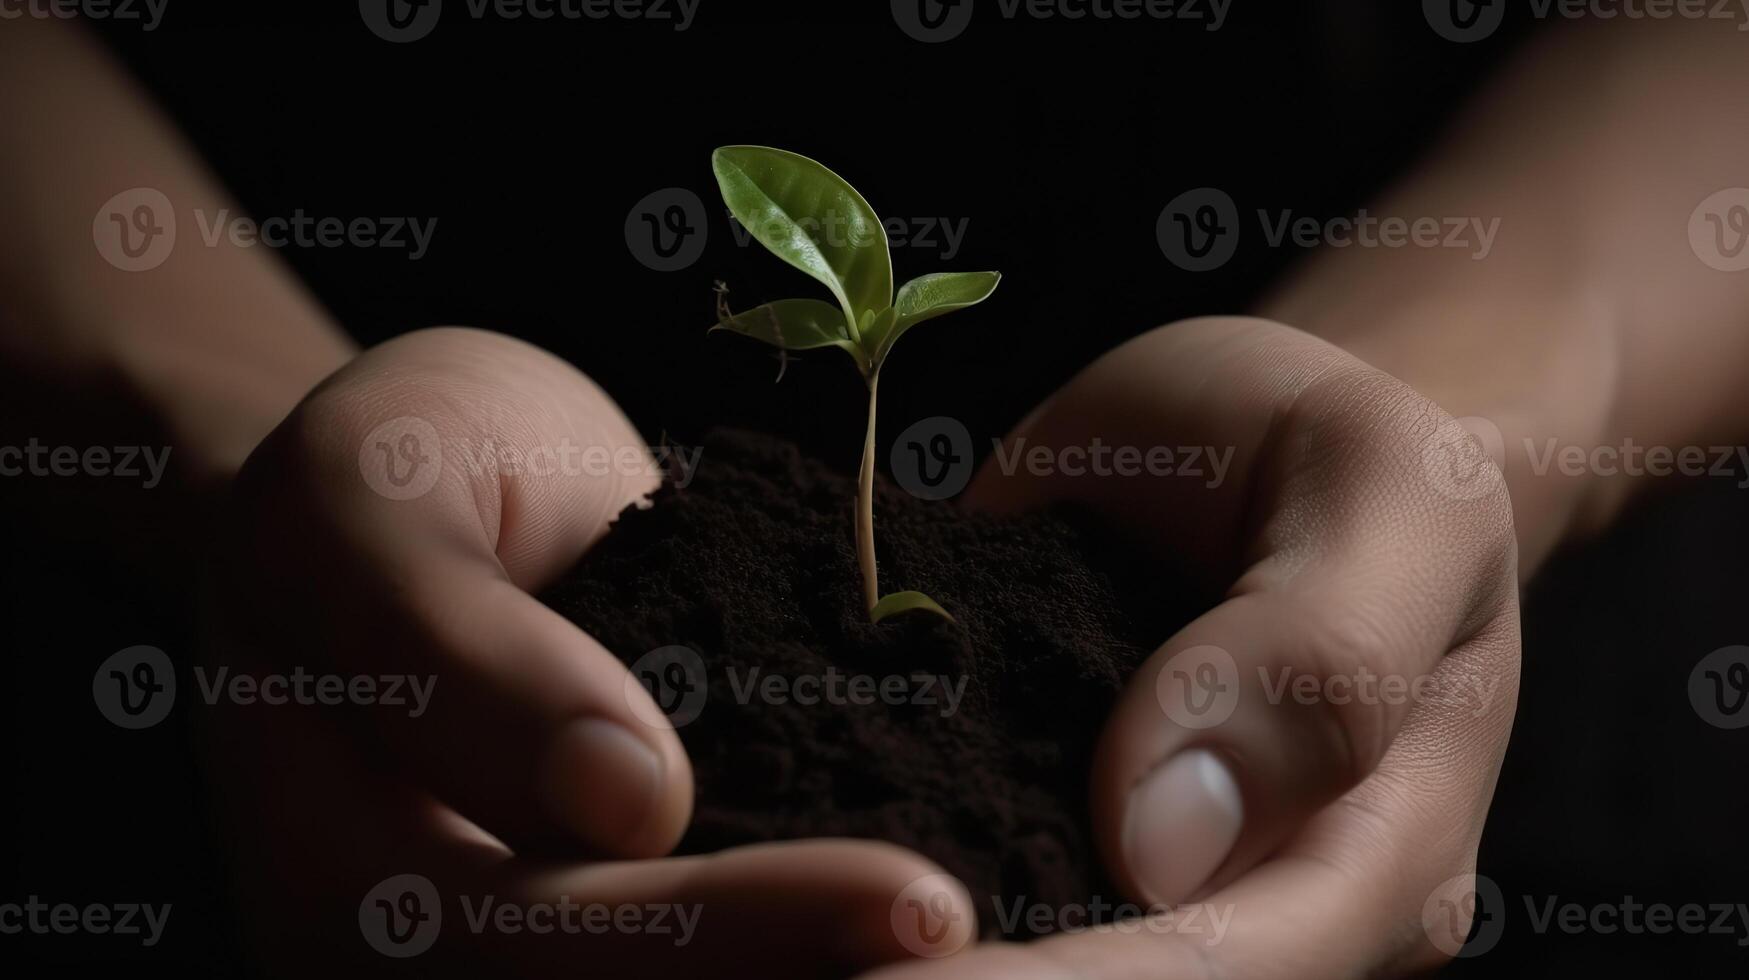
969 742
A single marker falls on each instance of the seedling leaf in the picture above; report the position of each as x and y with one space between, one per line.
927 297
811 218
900 602
792 324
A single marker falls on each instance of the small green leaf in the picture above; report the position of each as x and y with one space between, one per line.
811 218
900 602
878 327
926 297
793 324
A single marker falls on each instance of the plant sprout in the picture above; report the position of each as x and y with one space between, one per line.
811 218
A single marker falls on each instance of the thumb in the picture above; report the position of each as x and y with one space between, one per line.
1270 706
518 720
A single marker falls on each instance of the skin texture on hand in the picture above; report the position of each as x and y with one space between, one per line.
539 773
1350 543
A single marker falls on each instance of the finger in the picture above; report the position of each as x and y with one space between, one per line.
332 837
516 718
1359 891
835 906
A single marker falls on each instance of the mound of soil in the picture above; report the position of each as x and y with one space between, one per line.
737 600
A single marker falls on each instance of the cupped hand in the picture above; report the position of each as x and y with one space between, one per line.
1303 772
424 766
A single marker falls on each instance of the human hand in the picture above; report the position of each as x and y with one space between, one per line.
394 527
1358 533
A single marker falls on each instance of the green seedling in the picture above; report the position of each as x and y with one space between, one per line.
811 218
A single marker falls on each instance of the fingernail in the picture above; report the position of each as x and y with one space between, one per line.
600 781
1180 824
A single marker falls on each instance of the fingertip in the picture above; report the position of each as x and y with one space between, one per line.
1179 826
614 790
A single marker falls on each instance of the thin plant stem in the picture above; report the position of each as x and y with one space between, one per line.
865 550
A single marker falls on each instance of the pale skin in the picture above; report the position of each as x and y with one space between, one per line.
1335 549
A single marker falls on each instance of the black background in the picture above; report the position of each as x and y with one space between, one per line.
1057 143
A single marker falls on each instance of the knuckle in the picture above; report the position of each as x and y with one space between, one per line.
1350 652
